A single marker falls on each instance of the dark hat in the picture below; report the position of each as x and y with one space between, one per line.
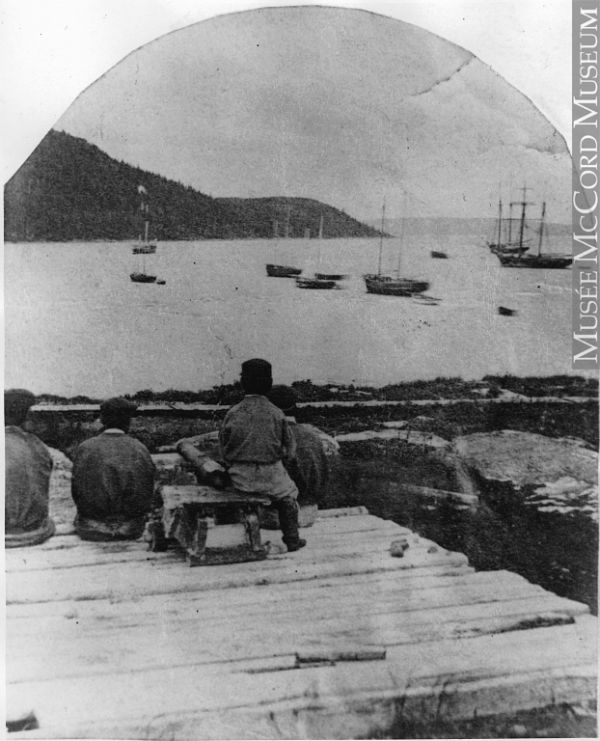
283 397
118 406
256 368
17 401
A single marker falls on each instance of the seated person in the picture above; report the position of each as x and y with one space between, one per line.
28 466
312 468
113 479
255 440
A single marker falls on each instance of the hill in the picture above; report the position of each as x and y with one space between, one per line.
70 190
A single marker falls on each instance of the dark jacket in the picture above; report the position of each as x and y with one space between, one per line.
28 466
113 478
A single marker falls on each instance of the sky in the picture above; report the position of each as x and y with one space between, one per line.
54 49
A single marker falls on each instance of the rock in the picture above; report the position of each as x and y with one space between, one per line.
398 546
533 469
517 731
567 496
403 434
538 511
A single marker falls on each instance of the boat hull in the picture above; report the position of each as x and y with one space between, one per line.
505 249
282 271
144 249
315 283
388 286
329 276
553 262
142 278
439 255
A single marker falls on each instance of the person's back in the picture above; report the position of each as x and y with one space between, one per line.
254 440
113 479
28 465
254 431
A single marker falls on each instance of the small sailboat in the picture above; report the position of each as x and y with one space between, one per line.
282 271
391 284
144 245
541 260
141 277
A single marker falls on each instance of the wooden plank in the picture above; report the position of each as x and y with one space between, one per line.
246 597
179 691
405 587
342 512
97 554
203 646
82 651
153 577
210 613
330 526
353 715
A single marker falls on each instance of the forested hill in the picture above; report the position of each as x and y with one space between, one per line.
69 189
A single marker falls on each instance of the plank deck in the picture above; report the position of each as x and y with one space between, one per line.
112 641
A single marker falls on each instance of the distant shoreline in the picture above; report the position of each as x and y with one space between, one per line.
307 391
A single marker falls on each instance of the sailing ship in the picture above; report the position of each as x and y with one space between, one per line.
519 259
282 271
144 245
391 284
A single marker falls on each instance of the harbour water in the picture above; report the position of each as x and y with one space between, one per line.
76 324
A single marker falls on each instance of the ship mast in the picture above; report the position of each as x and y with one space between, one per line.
499 222
524 203
542 228
381 238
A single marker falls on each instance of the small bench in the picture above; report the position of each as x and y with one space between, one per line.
211 525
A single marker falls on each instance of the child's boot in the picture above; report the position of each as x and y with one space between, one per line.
287 509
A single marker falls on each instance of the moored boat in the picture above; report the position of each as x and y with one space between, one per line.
138 277
315 283
282 271
392 284
387 285
330 276
543 261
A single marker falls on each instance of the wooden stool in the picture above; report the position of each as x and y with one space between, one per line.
212 526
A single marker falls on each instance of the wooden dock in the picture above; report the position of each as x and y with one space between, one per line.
338 640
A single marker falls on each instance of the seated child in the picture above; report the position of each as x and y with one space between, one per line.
254 440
